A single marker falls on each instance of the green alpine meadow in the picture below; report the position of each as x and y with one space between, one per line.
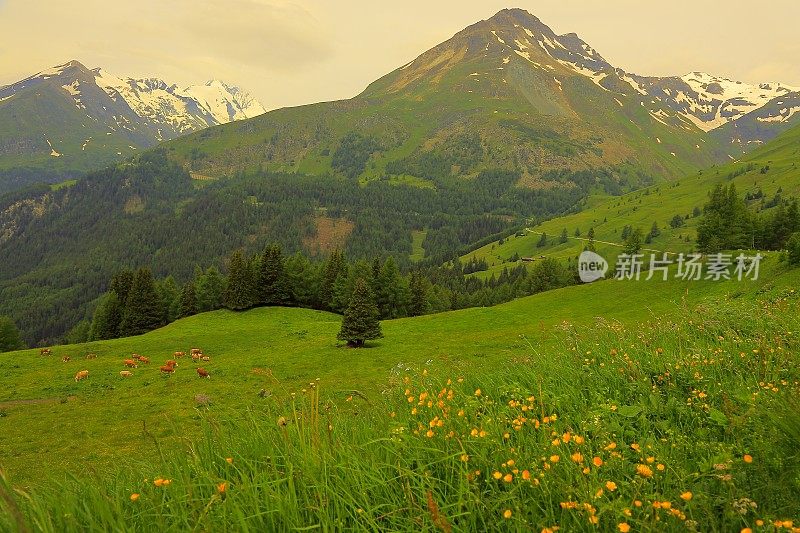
511 285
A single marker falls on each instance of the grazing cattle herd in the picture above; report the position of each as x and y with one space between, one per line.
169 366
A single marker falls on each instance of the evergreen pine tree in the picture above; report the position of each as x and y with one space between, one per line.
188 302
272 283
209 289
170 296
107 318
330 274
302 280
418 304
390 296
590 243
542 241
238 292
143 310
10 338
564 236
360 322
633 244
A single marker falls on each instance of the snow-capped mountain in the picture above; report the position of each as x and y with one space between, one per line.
709 102
174 111
69 119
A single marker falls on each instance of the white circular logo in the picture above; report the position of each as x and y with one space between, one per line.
591 267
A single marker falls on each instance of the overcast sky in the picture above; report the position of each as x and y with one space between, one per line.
291 52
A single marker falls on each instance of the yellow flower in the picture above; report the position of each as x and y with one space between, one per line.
686 496
597 462
526 475
577 457
161 482
222 487
554 458
644 470
478 392
610 485
465 457
229 460
624 527
429 433
497 475
134 497
635 447
660 467
508 478
748 458
507 514
747 530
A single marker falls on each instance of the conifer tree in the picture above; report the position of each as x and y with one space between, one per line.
209 289
332 272
360 323
390 294
418 304
10 338
272 283
188 306
239 291
564 236
303 280
107 318
143 308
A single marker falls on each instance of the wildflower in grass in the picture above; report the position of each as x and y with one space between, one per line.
747 530
577 457
526 475
635 447
578 439
222 487
660 467
161 482
610 446
508 478
497 475
748 458
134 497
596 461
229 460
282 421
644 470
624 527
507 514
478 392
686 496
464 457
429 433
610 485
566 438
650 460
554 458
637 503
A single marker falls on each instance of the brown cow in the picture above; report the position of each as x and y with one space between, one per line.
65 359
144 360
91 356
179 354
196 351
171 363
136 356
130 363
45 351
167 369
206 358
83 374
196 357
125 373
202 372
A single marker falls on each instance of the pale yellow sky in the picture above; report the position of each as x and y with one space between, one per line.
291 52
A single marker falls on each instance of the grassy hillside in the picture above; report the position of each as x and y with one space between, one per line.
773 167
657 412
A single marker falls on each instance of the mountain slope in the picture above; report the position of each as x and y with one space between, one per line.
770 170
70 119
504 93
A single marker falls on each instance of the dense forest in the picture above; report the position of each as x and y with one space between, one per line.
67 243
137 302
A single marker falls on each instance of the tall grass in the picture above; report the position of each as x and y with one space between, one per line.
687 424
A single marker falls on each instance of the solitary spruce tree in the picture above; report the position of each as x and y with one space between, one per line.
360 322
